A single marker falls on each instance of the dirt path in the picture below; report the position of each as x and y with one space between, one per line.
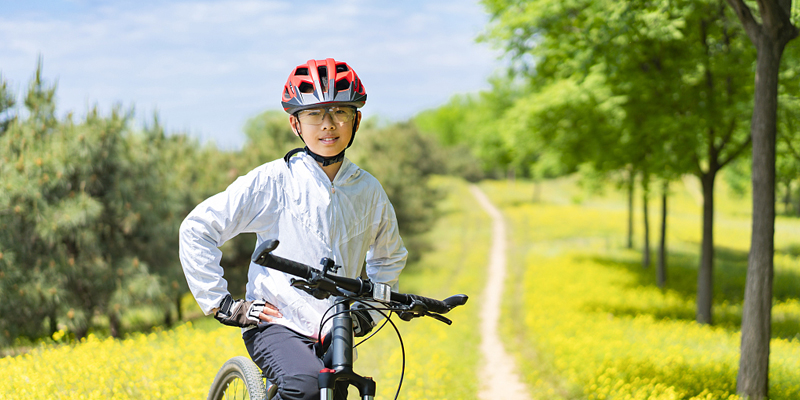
499 379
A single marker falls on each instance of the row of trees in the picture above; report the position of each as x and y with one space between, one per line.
89 212
648 92
90 208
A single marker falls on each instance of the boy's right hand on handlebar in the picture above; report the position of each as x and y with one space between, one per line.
245 313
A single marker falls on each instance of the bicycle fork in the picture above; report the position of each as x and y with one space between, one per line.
341 368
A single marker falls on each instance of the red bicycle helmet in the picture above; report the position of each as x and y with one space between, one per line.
321 82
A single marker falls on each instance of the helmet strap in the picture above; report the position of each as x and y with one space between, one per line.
325 161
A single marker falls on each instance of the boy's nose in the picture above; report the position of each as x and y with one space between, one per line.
327 122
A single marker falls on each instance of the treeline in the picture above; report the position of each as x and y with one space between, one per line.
90 209
638 93
645 93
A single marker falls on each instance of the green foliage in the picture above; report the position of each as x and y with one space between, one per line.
7 103
269 137
468 127
89 213
403 161
644 77
787 167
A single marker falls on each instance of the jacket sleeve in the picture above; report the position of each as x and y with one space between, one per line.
387 255
240 208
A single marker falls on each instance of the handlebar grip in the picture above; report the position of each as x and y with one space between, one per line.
433 305
263 257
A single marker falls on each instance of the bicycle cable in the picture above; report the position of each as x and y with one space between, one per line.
387 318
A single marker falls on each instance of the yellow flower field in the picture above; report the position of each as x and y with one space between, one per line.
181 363
583 317
588 322
175 364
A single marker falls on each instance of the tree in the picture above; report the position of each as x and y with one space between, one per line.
467 124
7 103
680 71
770 36
87 211
403 161
29 284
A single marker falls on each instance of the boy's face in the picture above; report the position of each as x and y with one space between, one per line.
326 130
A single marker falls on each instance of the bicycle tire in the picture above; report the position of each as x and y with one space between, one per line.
239 379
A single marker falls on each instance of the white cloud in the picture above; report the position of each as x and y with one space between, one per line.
208 66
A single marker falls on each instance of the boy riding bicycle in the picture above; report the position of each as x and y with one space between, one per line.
317 204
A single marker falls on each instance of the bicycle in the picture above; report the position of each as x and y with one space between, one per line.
240 378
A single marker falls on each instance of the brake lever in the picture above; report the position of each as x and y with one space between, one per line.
313 288
303 285
416 309
440 318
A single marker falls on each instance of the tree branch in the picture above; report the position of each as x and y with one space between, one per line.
728 135
745 15
792 150
775 17
697 167
742 146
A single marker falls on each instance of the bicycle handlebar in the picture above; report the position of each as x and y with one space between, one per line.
360 287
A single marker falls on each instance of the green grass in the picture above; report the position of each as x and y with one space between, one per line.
588 321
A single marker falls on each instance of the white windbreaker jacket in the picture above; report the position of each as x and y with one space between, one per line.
349 220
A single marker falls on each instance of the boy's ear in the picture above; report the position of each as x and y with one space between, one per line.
295 124
358 121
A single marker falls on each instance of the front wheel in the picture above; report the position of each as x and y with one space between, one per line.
239 378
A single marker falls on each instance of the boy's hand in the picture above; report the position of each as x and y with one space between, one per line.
269 313
242 313
362 321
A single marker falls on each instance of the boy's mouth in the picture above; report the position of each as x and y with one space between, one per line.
329 140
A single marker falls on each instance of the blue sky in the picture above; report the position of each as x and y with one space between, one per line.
208 66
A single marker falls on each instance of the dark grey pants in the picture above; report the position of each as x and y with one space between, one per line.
289 360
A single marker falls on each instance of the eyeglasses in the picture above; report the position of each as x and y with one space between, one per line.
315 116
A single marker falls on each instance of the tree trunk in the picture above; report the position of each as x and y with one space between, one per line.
787 200
631 179
167 317
53 320
752 380
178 307
797 205
646 249
705 275
661 268
114 325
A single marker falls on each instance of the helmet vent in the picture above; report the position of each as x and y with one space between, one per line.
306 87
342 84
323 78
301 72
341 68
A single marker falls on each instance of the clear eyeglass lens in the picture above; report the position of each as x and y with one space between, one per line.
315 116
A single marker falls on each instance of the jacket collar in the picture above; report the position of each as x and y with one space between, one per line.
345 171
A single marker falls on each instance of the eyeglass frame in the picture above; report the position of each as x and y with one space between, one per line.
327 111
